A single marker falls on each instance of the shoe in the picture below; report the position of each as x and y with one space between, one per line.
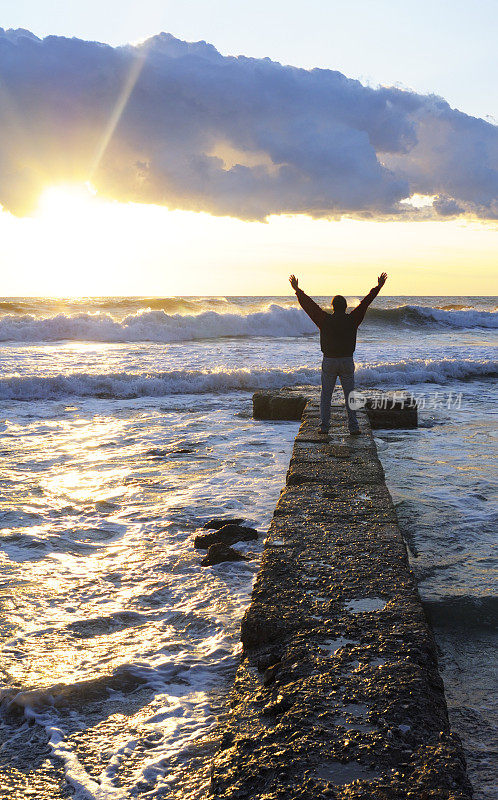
355 433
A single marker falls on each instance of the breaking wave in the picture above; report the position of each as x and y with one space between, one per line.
451 316
159 384
159 323
156 326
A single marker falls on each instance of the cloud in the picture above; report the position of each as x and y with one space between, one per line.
446 207
178 124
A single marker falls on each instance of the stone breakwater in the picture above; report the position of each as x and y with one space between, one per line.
338 693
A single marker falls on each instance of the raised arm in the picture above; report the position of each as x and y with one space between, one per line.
359 312
312 309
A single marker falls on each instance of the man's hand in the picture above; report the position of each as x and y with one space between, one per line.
293 282
382 279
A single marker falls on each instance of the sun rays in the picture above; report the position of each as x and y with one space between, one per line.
140 57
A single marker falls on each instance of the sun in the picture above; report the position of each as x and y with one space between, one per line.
77 232
66 202
87 244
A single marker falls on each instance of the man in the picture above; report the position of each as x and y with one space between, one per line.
338 342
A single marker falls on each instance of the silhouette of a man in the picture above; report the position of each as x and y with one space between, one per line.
337 342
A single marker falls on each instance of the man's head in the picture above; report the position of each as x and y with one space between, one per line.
339 304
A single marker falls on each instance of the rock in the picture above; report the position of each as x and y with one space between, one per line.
219 552
217 523
228 535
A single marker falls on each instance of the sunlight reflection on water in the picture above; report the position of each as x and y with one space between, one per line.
108 593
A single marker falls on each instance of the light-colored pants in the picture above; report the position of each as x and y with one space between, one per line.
332 368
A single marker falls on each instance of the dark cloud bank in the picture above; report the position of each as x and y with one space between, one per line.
239 136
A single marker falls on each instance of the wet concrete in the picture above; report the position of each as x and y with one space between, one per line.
338 693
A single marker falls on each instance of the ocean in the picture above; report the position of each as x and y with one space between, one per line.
125 425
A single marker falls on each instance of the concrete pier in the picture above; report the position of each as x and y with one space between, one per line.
384 409
338 693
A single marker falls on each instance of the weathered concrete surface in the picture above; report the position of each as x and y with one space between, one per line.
384 409
283 404
338 693
391 409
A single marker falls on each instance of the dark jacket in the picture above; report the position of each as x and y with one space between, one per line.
337 331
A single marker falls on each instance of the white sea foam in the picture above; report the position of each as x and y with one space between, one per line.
160 384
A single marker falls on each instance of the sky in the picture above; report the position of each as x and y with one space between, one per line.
246 170
446 47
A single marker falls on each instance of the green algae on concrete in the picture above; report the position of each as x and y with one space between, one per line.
338 693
